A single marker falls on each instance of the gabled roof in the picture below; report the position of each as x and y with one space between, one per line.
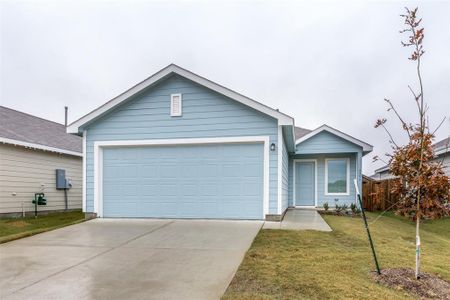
382 169
300 132
18 128
366 147
442 146
75 127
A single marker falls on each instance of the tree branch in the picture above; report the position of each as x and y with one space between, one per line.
405 126
440 124
390 135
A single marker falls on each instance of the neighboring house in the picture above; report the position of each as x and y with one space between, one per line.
31 149
441 150
178 145
382 173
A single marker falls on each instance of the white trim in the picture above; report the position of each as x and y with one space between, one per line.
358 172
348 176
441 151
382 169
280 167
84 171
98 160
366 147
39 147
294 202
282 118
172 113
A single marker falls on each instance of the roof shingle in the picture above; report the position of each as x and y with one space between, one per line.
23 127
445 143
300 132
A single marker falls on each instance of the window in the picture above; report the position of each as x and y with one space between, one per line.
175 105
337 176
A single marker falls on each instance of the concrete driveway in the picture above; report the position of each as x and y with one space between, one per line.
126 259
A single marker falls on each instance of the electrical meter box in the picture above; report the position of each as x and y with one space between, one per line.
60 179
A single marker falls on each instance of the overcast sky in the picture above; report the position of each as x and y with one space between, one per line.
320 62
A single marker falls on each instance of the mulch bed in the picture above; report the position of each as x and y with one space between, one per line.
429 286
342 214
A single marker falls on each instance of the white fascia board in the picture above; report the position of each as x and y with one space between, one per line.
280 168
365 146
84 208
382 169
39 147
282 118
442 151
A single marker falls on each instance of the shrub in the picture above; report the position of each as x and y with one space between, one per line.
353 207
325 206
344 209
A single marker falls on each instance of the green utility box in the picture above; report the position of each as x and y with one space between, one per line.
39 199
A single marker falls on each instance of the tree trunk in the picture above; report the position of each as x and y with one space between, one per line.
417 249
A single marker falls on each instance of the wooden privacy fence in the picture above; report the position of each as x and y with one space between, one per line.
377 194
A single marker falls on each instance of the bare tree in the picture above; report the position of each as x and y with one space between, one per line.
423 187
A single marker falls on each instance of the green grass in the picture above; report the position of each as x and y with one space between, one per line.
16 228
284 264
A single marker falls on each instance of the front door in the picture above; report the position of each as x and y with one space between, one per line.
305 185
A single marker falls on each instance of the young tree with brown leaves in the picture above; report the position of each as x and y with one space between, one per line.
422 185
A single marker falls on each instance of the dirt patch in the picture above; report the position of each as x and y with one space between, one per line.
18 224
429 286
339 213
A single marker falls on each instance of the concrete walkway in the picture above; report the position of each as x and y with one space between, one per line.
126 259
300 219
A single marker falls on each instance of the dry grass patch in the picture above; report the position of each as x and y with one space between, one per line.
284 264
15 228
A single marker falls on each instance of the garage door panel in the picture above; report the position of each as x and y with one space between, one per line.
190 190
195 181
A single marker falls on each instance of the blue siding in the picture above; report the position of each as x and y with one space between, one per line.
181 181
291 181
327 145
285 179
205 114
321 197
325 142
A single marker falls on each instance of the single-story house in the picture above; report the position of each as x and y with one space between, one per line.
178 145
31 150
441 150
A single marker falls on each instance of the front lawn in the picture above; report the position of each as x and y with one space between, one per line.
14 228
284 264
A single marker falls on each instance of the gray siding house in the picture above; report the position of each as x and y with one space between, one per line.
178 145
441 150
31 149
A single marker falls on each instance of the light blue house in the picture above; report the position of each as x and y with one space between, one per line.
178 145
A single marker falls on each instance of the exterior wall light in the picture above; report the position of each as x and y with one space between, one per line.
272 147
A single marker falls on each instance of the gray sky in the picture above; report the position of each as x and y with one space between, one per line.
320 62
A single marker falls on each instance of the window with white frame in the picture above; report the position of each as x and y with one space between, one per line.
176 105
337 176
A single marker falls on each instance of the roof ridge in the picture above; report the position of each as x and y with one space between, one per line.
282 118
30 115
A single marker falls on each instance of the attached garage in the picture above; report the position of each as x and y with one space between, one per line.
178 145
212 180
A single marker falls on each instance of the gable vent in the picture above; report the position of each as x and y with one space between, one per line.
175 105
